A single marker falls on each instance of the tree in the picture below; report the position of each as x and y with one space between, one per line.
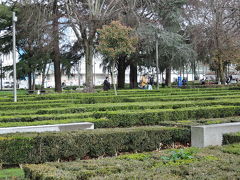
214 25
116 40
85 17
132 14
55 43
173 49
5 29
33 41
37 39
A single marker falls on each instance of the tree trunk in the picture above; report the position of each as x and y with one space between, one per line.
168 76
44 75
133 76
33 82
113 81
220 70
121 72
111 74
29 81
79 74
88 47
56 51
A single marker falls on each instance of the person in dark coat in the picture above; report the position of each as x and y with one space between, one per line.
151 80
106 84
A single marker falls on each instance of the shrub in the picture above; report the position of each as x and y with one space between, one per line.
232 149
123 118
37 148
231 138
207 163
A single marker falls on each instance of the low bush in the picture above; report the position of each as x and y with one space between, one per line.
231 138
134 97
208 163
136 106
232 149
123 118
38 148
151 117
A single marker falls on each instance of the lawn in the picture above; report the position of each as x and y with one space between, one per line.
14 173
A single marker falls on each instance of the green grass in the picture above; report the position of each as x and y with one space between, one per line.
14 173
232 149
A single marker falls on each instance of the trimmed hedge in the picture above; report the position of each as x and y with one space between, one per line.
74 106
123 118
190 163
136 106
62 108
231 138
99 98
152 117
38 148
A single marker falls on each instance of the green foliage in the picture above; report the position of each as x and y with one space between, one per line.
231 138
232 149
106 110
13 173
174 51
137 156
37 148
190 163
115 40
5 25
178 157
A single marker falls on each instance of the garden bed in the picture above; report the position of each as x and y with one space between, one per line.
191 163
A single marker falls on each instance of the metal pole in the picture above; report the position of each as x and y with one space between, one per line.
157 63
79 74
1 61
94 69
14 58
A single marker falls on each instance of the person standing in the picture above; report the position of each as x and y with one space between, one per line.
144 82
106 84
151 82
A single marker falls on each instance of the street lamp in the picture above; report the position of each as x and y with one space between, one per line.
157 59
1 63
14 19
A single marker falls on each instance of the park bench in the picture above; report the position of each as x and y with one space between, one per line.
212 135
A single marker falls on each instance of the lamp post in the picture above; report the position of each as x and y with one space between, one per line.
14 19
1 63
79 74
157 68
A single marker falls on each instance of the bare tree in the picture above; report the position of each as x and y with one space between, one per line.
215 27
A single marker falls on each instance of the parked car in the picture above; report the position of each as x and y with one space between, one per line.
8 84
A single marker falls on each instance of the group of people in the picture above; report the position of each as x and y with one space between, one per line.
146 82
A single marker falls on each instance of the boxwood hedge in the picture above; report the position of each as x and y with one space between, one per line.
38 148
208 163
231 138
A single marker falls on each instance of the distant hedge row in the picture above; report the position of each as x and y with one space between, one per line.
137 106
140 101
123 118
98 98
38 148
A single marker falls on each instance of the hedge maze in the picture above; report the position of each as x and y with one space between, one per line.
135 121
